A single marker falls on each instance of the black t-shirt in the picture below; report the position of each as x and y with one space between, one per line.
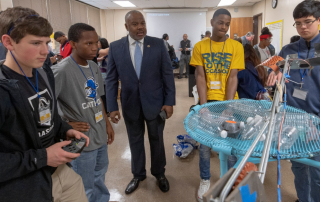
45 130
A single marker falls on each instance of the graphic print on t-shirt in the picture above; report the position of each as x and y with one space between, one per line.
90 88
41 104
217 62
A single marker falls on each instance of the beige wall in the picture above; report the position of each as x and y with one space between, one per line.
283 12
115 28
4 4
103 21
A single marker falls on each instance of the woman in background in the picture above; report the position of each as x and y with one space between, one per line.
264 49
252 80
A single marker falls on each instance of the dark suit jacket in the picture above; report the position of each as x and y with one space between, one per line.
156 85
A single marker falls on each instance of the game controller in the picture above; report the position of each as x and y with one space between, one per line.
76 145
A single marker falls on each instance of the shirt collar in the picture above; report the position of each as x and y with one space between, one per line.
132 41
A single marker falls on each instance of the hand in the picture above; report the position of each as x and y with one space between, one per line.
100 59
59 57
180 49
168 109
76 134
187 49
273 77
57 156
110 133
115 116
80 126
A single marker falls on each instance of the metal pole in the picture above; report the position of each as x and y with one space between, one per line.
236 173
267 144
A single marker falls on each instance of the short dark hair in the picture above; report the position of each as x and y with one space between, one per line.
265 30
76 30
221 11
18 22
104 43
207 33
164 36
307 8
294 38
58 34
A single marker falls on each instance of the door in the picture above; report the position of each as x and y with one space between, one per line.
257 24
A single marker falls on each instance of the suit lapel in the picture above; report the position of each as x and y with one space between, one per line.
127 58
146 52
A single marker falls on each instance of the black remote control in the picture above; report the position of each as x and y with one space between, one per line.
76 145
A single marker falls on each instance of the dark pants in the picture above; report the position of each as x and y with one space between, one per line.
184 60
136 130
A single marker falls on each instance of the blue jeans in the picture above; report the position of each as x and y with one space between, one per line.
204 162
307 181
92 167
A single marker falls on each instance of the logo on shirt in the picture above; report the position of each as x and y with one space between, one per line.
217 62
42 103
90 88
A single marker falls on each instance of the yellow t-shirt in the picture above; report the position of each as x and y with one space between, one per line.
217 67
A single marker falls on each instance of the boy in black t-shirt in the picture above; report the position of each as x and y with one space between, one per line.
32 163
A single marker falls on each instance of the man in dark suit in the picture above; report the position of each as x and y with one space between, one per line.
143 65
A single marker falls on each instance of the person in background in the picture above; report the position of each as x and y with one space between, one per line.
264 50
247 39
65 48
227 36
238 39
165 38
294 38
79 86
143 65
253 79
103 44
207 36
185 47
306 97
217 61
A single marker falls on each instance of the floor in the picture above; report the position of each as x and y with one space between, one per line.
183 174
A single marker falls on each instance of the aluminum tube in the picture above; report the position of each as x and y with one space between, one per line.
267 144
236 173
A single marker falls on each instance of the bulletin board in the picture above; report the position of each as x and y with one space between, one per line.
276 28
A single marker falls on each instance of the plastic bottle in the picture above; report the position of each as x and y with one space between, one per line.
253 126
187 139
288 137
182 150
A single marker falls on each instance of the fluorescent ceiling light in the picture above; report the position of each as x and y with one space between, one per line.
226 2
124 3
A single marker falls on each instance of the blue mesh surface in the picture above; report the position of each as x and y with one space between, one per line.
305 146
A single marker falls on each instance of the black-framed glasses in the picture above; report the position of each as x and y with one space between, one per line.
307 24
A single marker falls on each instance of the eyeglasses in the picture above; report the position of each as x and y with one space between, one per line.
307 24
269 39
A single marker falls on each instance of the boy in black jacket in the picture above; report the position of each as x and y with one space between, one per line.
32 162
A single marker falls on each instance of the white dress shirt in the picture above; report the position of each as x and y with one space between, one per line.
132 48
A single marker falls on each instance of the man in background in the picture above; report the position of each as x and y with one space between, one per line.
185 47
65 48
143 65
247 38
207 36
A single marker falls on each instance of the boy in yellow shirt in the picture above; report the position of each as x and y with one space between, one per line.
217 61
